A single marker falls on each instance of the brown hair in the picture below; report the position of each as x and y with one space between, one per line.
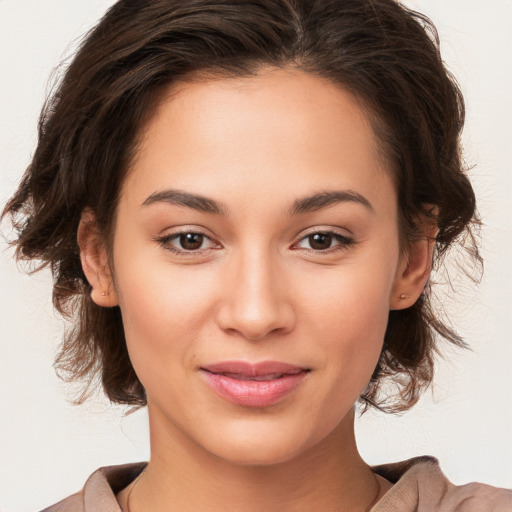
384 54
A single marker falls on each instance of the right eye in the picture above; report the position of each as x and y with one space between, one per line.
187 242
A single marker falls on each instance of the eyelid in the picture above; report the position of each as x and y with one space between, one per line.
334 230
345 240
341 235
165 239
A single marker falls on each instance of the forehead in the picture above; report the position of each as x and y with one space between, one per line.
281 127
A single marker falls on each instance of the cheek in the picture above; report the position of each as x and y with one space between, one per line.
352 344
164 308
348 310
161 299
351 300
352 333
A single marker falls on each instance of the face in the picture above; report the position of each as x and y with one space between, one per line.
255 258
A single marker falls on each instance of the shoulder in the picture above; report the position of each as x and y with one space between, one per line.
100 489
74 503
420 485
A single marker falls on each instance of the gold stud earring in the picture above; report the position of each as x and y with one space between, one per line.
404 296
104 294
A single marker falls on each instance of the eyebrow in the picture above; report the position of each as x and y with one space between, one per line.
325 199
304 205
180 198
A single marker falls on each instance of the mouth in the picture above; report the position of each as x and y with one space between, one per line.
254 385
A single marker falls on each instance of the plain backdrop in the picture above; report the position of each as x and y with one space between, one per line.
48 447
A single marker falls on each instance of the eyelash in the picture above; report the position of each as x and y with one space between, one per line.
344 242
165 242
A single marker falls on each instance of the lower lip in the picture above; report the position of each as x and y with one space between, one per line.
253 393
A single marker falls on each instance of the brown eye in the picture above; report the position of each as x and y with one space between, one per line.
320 241
191 241
325 242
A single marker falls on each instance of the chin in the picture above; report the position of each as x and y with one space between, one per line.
257 454
260 445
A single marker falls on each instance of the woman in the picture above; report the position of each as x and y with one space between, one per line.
241 204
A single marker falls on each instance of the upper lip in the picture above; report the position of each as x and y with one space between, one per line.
246 369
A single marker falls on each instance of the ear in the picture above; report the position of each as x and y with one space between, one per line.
415 265
94 258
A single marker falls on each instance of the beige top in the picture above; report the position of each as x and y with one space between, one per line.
420 486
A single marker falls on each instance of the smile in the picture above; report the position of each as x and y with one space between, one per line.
259 385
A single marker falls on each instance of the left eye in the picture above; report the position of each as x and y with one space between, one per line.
322 241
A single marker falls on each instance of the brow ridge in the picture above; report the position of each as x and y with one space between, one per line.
181 198
299 206
328 198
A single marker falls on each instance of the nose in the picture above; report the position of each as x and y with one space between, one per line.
256 303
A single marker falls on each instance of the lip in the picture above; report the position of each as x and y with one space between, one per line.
253 385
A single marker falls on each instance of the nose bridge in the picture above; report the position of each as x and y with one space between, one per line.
257 303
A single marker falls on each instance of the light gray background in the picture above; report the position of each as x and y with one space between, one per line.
48 448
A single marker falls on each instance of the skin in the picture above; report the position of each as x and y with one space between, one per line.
257 289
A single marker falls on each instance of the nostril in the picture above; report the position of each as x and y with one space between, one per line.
256 328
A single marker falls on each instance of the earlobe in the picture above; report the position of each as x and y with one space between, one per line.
414 269
94 259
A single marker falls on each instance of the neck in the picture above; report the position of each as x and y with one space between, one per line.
331 476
